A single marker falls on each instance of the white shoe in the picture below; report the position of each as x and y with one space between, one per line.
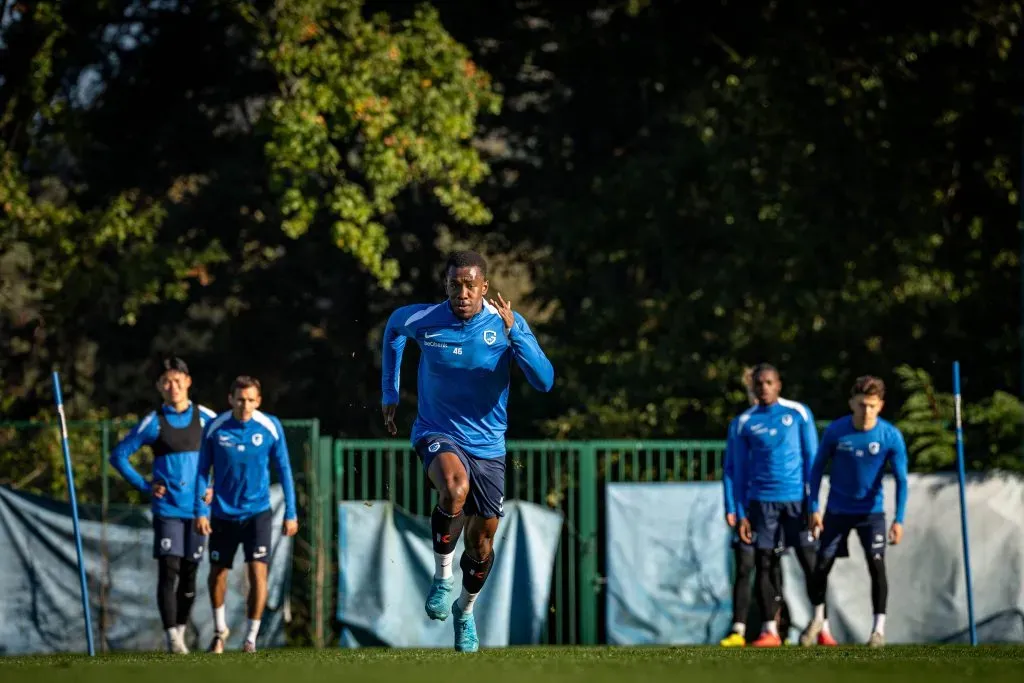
217 644
876 640
178 646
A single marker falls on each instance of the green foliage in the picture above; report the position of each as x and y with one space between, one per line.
367 109
992 426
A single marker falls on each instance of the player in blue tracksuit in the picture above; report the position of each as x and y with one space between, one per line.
467 347
775 444
240 445
743 552
172 432
859 447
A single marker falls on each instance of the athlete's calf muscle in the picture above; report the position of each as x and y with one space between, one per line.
480 533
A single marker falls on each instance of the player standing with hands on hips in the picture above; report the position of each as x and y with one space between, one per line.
173 432
859 446
467 346
240 445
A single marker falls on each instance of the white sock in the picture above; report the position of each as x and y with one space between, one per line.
824 627
879 626
220 619
466 601
443 565
819 612
770 627
172 635
739 628
254 628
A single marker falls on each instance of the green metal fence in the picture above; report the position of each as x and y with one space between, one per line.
564 475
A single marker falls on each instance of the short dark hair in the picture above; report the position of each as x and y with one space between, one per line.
172 363
244 382
466 259
869 385
763 367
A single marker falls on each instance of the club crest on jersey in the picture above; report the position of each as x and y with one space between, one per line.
490 336
434 447
257 439
787 420
874 447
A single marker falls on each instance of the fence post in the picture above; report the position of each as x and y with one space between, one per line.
588 579
325 540
104 551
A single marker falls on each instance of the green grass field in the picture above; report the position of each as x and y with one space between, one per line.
537 665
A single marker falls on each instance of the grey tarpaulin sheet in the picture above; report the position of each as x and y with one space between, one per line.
40 599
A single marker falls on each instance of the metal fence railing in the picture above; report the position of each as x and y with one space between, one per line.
565 475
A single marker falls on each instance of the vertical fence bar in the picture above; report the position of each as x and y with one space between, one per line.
339 475
587 525
392 482
406 483
562 550
104 551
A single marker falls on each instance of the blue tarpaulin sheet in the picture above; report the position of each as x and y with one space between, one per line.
386 564
669 566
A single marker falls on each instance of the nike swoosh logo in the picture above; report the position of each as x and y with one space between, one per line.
431 336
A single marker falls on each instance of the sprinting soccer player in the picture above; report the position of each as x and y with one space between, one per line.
775 443
859 447
467 347
173 432
743 553
240 445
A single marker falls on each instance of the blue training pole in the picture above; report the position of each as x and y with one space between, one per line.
59 399
963 499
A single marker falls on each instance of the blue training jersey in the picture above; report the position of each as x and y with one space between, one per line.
858 465
728 479
240 454
464 370
176 470
774 448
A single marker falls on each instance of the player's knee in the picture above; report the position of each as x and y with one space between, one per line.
170 566
744 565
217 575
188 572
876 566
765 560
456 488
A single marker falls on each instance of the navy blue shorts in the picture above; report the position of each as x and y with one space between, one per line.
177 538
486 475
777 526
253 534
870 529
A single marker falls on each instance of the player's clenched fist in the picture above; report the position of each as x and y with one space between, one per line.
203 526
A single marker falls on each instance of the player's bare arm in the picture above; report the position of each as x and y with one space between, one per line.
388 410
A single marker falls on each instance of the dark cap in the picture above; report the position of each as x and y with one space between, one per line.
172 363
